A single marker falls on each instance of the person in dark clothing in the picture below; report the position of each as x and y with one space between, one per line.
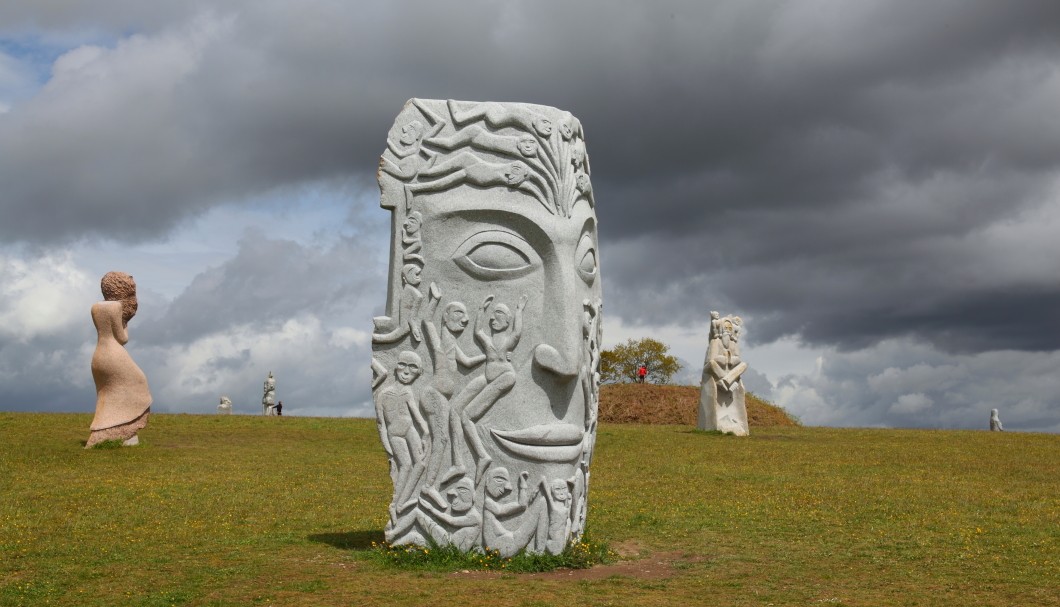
279 408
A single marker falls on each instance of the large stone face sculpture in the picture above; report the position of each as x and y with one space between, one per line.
123 400
485 368
722 405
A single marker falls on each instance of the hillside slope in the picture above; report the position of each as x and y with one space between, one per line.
655 404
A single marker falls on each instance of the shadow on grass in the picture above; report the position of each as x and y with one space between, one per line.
349 540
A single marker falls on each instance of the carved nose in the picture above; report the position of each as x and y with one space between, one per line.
549 359
560 351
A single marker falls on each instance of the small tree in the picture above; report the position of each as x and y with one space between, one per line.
619 364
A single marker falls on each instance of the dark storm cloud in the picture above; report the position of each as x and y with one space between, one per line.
839 171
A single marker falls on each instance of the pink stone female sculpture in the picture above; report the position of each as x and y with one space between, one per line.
123 400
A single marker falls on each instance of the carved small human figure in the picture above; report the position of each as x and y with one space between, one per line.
498 116
410 238
408 311
715 324
463 516
584 186
995 421
447 355
400 424
123 400
525 511
555 532
722 406
482 392
466 168
407 150
524 145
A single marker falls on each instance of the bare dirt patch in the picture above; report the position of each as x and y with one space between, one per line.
656 566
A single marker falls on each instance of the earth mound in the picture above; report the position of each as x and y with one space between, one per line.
661 404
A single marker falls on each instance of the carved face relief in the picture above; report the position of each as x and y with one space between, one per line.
462 495
560 490
527 145
516 261
456 317
411 274
408 367
412 223
411 132
515 174
501 314
498 484
543 126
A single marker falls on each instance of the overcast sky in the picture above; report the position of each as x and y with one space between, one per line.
874 186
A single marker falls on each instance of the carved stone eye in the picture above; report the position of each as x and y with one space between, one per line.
586 260
496 255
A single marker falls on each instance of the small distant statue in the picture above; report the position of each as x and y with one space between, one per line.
722 404
995 422
225 408
268 399
123 400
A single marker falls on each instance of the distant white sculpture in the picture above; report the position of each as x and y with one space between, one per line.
225 408
995 422
722 404
485 368
268 399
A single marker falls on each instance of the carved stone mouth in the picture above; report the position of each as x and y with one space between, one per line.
546 442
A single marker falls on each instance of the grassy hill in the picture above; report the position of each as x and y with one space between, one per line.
239 510
654 404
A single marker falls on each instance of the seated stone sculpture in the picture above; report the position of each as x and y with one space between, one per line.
123 400
225 407
722 404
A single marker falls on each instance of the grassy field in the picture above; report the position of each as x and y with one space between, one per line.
242 510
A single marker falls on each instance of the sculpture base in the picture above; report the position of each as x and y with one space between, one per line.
123 432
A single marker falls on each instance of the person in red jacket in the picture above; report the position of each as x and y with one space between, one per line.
642 372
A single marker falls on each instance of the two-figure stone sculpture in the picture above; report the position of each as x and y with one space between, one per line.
123 400
486 365
722 404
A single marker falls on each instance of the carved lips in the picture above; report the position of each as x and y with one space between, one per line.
545 442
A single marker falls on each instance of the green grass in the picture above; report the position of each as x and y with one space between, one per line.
239 510
583 554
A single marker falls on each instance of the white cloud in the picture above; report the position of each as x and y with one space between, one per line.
42 296
316 373
903 383
911 403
